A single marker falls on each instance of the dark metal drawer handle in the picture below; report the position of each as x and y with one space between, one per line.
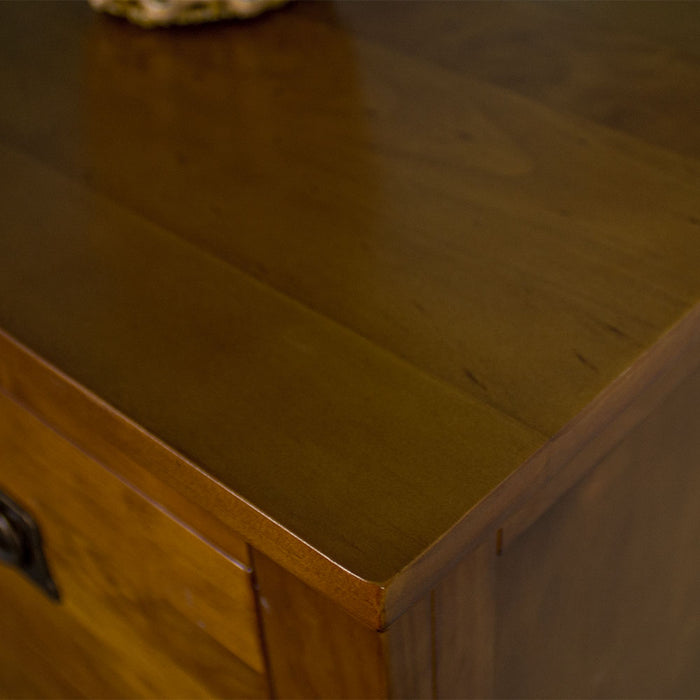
20 545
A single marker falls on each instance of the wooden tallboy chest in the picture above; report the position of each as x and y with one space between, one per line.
351 352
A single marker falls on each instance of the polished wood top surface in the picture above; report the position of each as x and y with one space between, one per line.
356 261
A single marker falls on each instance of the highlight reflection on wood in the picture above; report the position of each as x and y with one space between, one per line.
362 291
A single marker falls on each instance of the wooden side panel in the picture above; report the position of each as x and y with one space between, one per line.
408 647
601 596
464 627
316 650
147 608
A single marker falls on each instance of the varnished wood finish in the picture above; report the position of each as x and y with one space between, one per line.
589 591
316 649
172 479
563 461
486 248
464 634
362 287
314 405
608 581
629 66
111 438
24 671
49 653
168 613
409 652
514 218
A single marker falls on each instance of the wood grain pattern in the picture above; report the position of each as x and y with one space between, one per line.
539 278
171 611
353 288
608 580
48 653
632 66
170 478
408 652
274 399
561 463
113 440
316 650
24 672
464 637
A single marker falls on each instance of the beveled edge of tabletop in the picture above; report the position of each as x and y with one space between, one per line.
561 463
216 511
222 516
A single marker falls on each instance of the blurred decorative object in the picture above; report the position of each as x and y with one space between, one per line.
154 13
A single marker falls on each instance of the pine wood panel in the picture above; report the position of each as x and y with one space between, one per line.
168 612
601 596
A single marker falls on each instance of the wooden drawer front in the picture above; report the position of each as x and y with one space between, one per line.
147 608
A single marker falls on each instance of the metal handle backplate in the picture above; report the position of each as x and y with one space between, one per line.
21 546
